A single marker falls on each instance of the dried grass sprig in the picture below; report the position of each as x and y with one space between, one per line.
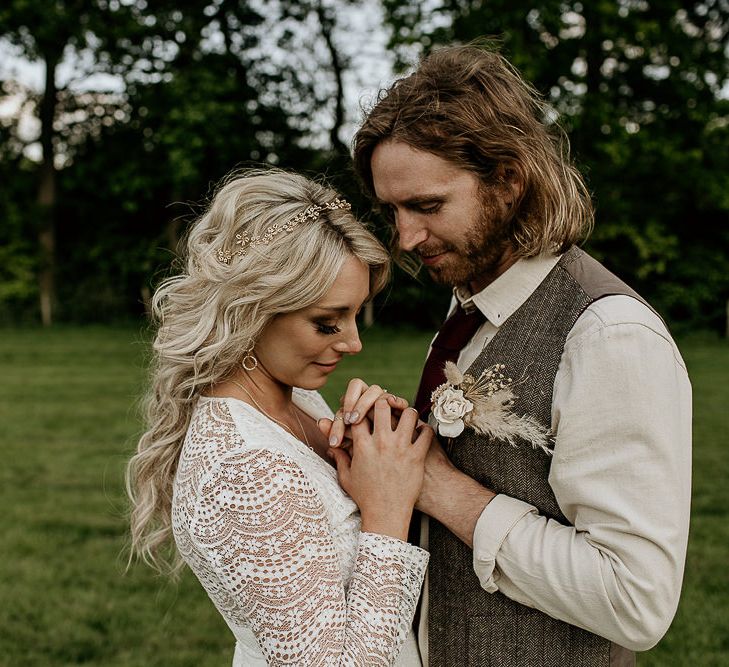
484 404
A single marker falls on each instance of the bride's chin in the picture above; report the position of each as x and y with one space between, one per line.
311 383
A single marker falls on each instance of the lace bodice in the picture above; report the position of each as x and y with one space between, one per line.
263 523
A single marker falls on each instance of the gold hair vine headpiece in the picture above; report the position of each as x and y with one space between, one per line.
244 241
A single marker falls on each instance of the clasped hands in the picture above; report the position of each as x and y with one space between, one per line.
387 459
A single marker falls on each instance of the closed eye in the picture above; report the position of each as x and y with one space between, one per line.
428 209
327 329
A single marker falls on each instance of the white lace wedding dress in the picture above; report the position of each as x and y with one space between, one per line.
263 523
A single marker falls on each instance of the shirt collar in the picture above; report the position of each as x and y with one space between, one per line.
501 298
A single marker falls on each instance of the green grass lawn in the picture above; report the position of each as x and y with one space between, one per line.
68 424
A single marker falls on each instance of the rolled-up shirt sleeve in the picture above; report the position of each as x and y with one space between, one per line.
621 474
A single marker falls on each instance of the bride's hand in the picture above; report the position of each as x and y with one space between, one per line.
356 404
384 473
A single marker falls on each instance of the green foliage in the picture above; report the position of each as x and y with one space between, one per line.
635 83
18 289
67 405
138 165
638 87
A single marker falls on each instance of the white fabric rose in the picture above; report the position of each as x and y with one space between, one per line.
449 409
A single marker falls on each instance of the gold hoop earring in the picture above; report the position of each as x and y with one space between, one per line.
249 363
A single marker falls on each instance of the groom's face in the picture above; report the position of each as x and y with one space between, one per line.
444 214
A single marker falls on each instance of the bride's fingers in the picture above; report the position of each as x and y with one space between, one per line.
337 431
424 439
343 462
355 388
352 406
408 420
354 413
324 424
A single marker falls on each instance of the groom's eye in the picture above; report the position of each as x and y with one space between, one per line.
429 209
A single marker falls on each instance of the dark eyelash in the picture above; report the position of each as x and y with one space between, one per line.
430 210
327 329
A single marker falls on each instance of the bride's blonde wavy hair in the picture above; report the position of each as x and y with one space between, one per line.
208 315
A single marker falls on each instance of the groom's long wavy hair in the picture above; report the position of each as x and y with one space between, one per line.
469 106
209 314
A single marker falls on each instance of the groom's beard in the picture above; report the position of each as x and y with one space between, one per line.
487 242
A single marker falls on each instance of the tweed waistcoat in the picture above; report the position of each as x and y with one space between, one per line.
467 625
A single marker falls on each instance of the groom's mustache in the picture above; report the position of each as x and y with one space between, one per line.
431 251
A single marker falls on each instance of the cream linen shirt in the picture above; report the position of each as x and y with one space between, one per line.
621 474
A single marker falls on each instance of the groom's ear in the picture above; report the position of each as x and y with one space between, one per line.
511 181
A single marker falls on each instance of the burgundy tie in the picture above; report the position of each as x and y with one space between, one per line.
456 331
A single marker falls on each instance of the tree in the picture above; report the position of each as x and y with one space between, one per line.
191 118
638 85
17 246
199 88
47 31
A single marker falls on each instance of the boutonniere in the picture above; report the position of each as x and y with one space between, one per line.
484 404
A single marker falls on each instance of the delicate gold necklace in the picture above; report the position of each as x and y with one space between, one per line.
281 424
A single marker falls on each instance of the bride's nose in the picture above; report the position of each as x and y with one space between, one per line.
349 342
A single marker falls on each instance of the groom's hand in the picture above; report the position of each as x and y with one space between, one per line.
438 468
451 496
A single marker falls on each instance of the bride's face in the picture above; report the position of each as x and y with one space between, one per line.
302 348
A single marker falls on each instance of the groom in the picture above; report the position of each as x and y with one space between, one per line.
573 557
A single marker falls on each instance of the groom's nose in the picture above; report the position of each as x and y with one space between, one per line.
411 231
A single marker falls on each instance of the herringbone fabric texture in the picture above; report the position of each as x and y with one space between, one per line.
467 625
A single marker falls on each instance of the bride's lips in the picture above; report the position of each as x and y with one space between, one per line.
327 367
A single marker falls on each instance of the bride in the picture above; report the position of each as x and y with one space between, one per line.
307 563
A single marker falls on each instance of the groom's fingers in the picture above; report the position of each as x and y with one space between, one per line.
398 403
383 417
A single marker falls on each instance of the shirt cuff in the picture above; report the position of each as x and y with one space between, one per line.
492 527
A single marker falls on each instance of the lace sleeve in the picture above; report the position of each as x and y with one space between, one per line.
263 529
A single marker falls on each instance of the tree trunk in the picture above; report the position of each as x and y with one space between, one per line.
46 199
327 24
